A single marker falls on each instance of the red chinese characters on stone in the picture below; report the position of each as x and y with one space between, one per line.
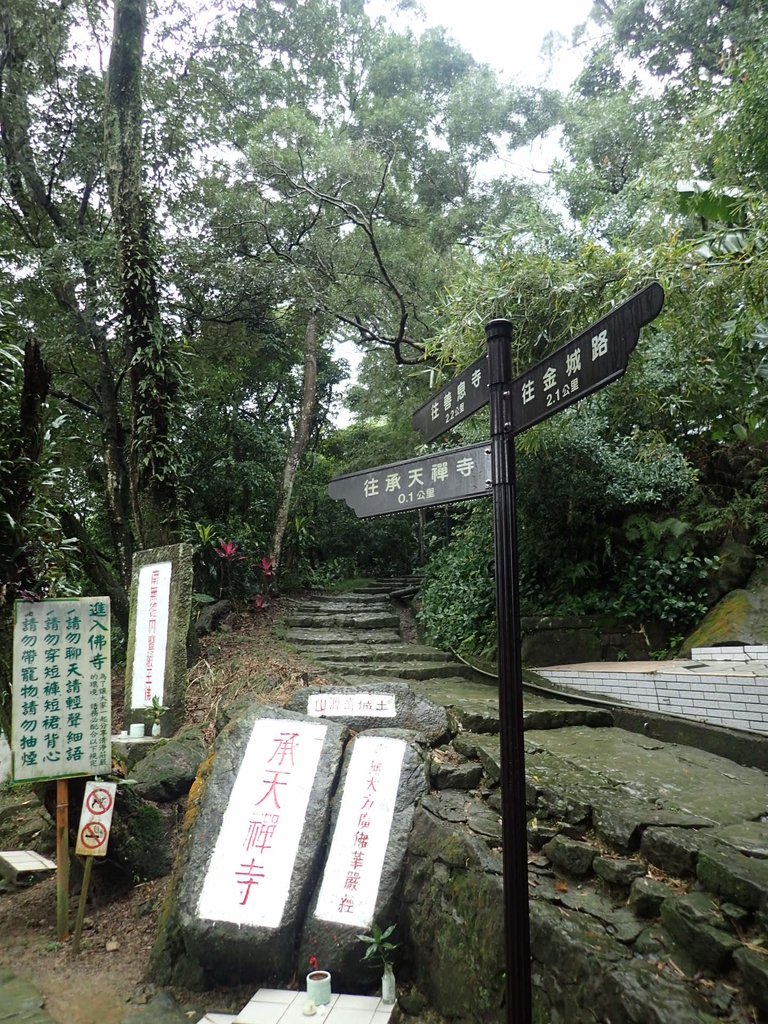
248 876
264 823
362 837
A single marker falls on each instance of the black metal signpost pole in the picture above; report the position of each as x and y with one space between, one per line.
515 849
586 363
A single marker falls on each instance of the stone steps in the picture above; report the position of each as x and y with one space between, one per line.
308 636
345 620
402 669
341 608
379 652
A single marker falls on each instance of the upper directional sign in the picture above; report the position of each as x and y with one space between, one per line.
464 395
595 358
432 480
588 362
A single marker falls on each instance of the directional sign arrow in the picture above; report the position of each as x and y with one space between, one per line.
430 480
588 362
585 364
464 395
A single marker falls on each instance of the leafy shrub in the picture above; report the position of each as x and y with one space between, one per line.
458 595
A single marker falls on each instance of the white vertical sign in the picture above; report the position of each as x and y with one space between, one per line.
250 871
350 885
151 633
61 688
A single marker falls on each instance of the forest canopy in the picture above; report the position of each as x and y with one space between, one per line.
200 203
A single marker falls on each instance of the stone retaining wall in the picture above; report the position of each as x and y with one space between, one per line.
608 942
638 914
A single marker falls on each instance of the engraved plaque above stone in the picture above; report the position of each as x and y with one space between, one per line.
370 705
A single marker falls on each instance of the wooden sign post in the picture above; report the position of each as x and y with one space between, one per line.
61 706
92 839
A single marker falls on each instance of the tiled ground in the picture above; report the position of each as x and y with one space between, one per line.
726 693
276 1006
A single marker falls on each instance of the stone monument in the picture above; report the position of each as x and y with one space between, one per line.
156 660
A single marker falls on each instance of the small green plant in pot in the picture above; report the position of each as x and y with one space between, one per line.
155 712
379 952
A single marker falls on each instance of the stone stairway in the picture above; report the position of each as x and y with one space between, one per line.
648 860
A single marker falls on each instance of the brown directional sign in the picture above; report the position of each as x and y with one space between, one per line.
588 362
453 475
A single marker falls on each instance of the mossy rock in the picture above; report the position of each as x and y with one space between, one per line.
142 836
740 618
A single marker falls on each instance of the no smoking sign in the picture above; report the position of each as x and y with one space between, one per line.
95 819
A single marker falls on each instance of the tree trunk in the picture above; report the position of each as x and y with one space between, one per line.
25 456
153 374
301 437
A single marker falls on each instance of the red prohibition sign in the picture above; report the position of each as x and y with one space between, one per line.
93 835
99 801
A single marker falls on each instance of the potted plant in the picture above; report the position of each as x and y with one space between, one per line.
318 984
379 951
155 711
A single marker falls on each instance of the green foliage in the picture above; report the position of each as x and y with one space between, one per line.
665 580
458 596
379 949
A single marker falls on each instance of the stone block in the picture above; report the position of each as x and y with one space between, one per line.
674 850
570 856
411 711
618 872
754 973
740 879
454 915
458 776
158 630
170 766
646 896
254 835
697 924
384 776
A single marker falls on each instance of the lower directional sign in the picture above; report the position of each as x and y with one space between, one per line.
431 480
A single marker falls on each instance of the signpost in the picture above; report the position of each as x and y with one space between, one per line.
431 480
588 362
92 839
